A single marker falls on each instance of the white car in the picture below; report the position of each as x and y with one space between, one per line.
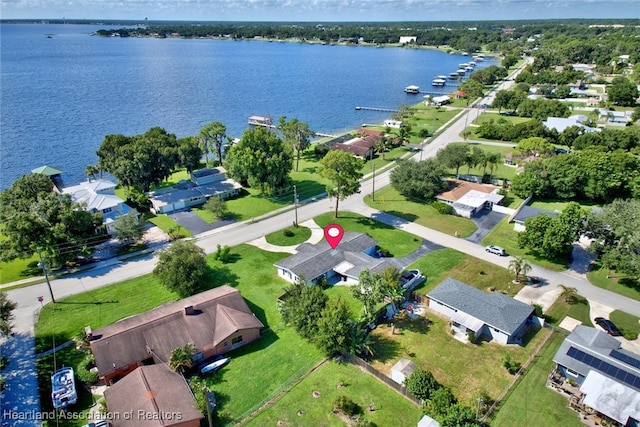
497 250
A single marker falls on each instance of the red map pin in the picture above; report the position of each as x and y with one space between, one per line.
333 233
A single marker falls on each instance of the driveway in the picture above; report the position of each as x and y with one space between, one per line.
485 221
20 401
195 224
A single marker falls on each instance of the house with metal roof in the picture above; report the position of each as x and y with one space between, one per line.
495 316
98 196
215 321
155 396
527 212
562 123
607 374
354 254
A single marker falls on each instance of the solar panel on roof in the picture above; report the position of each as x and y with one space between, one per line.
604 367
629 360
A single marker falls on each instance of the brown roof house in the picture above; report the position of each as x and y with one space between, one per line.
361 145
469 198
152 396
215 321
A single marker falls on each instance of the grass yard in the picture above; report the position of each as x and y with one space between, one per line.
504 235
467 369
614 282
443 263
559 205
625 322
530 402
502 172
578 309
394 203
399 243
166 224
289 236
300 406
19 269
100 307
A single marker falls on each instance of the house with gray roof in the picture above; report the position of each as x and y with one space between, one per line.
527 212
608 375
495 316
354 254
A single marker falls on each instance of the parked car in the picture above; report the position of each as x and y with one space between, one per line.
608 326
497 250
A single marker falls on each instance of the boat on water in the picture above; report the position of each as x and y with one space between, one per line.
438 82
63 388
214 366
412 89
441 76
461 71
454 76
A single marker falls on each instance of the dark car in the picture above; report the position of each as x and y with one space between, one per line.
608 326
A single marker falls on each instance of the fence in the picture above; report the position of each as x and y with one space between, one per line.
517 376
382 377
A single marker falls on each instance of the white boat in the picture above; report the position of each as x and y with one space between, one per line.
412 89
438 82
461 71
441 76
468 68
463 65
63 388
212 367
454 76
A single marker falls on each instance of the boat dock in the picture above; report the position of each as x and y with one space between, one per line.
268 123
385 110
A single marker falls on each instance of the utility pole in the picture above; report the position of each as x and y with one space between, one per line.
373 183
46 275
295 205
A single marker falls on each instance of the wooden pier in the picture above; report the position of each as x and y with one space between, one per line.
386 110
268 124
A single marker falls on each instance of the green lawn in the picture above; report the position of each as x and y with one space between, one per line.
389 200
467 369
559 205
399 243
502 171
530 402
578 309
625 321
19 269
295 236
166 224
301 406
614 282
438 265
504 235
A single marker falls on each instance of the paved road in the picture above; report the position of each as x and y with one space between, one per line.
234 234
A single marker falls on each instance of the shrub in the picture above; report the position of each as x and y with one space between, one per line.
320 150
442 208
383 252
422 384
629 335
511 365
347 406
471 337
222 254
538 310
83 370
3 362
287 233
3 382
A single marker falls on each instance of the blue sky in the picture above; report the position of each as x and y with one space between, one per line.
320 10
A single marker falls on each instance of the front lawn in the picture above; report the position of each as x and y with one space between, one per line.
166 224
310 402
502 171
438 265
389 200
504 235
614 282
625 322
467 369
289 236
19 269
399 243
578 309
530 402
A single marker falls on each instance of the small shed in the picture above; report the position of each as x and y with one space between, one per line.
402 370
427 421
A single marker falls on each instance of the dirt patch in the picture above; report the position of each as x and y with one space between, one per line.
315 394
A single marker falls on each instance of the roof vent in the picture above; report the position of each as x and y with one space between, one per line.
188 310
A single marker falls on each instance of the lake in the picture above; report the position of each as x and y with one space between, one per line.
63 90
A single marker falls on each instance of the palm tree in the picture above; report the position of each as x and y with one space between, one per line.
494 160
518 266
359 341
181 358
568 293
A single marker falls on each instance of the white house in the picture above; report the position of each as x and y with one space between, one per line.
495 316
469 198
561 123
407 39
98 196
